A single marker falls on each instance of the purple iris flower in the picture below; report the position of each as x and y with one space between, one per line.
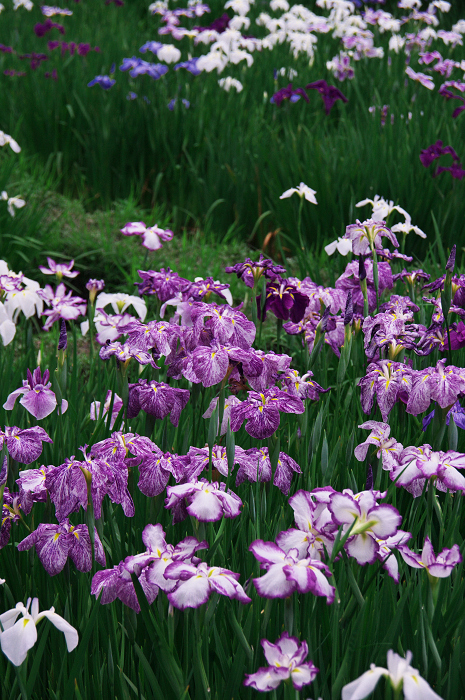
457 413
284 300
286 573
152 46
250 271
10 514
125 352
62 303
437 566
155 470
257 467
287 660
190 65
32 489
42 29
329 93
220 24
389 382
436 150
37 396
441 384
262 412
289 93
104 81
158 399
55 543
456 170
24 446
59 269
197 583
166 283
206 501
67 485
373 522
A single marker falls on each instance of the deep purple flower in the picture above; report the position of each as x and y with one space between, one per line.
289 93
250 271
287 660
158 399
155 470
55 543
37 396
220 24
284 300
165 284
67 485
24 446
257 467
329 93
104 81
436 150
42 29
456 170
262 411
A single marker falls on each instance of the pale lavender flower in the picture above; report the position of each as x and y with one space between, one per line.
151 235
421 78
385 447
148 566
96 412
315 526
37 396
195 584
372 522
437 566
286 573
287 660
32 489
207 502
63 305
59 269
367 235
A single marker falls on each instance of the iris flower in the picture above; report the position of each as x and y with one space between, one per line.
19 636
400 674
